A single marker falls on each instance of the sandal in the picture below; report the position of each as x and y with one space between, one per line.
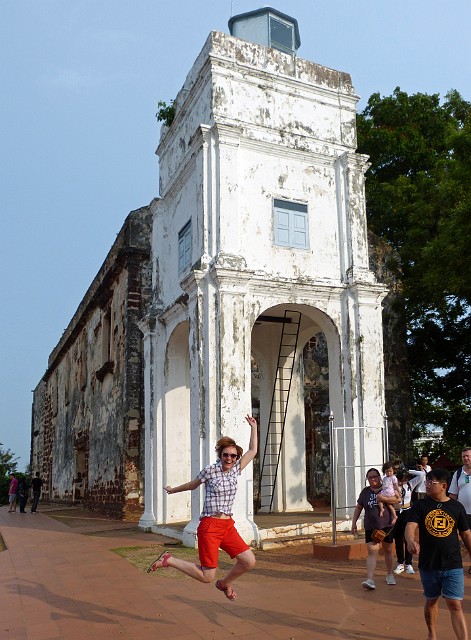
163 558
228 591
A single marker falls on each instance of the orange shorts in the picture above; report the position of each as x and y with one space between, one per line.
214 534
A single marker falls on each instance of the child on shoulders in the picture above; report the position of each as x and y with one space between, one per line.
389 489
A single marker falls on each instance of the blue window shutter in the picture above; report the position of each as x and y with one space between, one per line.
291 224
187 248
184 247
282 228
299 230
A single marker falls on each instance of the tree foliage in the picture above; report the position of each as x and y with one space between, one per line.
166 112
418 195
8 464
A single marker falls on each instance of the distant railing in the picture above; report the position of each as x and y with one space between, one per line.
335 433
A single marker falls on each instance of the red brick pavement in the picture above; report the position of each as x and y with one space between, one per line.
56 583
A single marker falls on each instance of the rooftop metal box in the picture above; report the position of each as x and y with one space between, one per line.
268 27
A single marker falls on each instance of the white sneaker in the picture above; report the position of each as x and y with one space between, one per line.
390 579
369 584
409 568
399 569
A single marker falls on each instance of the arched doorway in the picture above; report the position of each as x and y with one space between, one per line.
287 344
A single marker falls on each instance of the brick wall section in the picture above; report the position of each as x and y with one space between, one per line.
42 437
88 412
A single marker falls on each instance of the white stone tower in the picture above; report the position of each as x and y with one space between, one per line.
260 227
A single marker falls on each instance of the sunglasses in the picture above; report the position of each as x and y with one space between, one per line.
230 455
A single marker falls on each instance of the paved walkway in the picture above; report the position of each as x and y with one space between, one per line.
57 583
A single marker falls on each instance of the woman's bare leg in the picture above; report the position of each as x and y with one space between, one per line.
373 550
196 571
245 561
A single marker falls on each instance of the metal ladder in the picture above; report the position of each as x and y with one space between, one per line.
279 404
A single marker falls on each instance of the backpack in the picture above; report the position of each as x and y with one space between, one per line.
458 473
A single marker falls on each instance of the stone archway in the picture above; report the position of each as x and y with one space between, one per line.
291 489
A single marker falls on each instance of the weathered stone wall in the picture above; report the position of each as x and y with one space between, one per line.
251 125
41 436
396 367
88 409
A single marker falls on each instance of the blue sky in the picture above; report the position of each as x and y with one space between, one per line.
79 86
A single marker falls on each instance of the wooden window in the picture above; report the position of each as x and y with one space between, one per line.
291 224
184 247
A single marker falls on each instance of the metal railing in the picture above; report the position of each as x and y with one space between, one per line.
334 434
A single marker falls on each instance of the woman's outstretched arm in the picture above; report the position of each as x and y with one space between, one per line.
251 452
188 486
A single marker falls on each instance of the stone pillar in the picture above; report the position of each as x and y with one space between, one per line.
234 391
147 326
360 443
293 467
201 383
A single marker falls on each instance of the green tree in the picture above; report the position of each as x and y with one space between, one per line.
418 195
166 112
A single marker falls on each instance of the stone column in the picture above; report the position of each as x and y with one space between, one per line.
234 390
147 326
362 361
203 366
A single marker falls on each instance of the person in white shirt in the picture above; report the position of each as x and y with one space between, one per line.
407 484
423 466
460 487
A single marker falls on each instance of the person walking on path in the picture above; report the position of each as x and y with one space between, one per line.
460 487
368 500
423 465
36 484
406 487
12 490
439 519
216 529
23 494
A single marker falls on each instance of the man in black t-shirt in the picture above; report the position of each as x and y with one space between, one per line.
36 484
439 519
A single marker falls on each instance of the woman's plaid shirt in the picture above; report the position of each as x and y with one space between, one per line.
220 488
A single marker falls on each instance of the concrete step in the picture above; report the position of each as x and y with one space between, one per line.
300 533
285 541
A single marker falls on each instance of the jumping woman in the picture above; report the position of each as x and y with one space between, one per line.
216 529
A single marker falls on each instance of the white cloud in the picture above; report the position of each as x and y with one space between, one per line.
71 80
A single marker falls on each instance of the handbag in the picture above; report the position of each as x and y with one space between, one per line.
378 535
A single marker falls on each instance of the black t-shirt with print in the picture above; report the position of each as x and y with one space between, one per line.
439 523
